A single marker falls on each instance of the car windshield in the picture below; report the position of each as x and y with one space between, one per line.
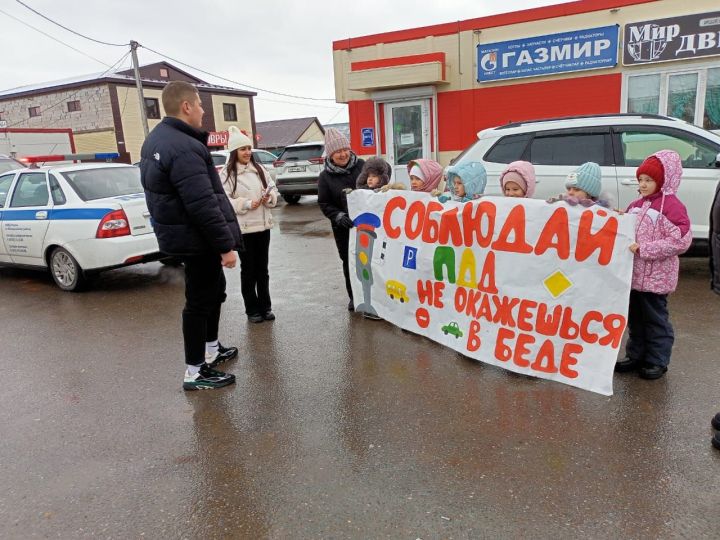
300 153
91 184
218 159
9 165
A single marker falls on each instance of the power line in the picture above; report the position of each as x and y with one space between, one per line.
232 81
53 38
70 29
313 105
65 98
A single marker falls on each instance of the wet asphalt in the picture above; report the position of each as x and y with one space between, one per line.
338 427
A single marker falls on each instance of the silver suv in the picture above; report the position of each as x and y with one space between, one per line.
298 169
618 142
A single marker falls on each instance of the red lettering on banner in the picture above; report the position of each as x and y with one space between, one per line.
521 350
415 220
524 314
503 310
568 359
555 235
430 292
502 351
545 360
514 226
392 205
431 231
604 239
474 215
450 227
614 325
487 276
474 341
585 334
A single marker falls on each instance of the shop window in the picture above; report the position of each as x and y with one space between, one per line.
73 106
682 95
229 112
508 149
693 96
644 94
571 149
639 144
34 111
152 108
711 118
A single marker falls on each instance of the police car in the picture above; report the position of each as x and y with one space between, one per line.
74 219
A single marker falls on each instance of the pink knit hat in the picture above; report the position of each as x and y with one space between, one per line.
523 174
334 141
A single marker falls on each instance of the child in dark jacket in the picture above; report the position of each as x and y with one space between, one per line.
375 174
662 232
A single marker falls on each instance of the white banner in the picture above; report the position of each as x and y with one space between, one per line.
540 289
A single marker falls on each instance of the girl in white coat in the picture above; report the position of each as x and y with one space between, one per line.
252 194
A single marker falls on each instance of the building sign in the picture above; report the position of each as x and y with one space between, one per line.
677 38
368 137
594 48
535 288
217 138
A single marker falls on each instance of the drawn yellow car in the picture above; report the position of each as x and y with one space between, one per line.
396 291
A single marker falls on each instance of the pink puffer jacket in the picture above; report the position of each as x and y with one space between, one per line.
662 230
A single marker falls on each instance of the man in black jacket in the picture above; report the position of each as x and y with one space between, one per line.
193 220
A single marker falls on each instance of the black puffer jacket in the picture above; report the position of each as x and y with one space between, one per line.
715 243
331 198
191 213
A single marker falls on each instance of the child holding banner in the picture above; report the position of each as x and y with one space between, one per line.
662 233
518 180
425 174
583 187
374 175
467 182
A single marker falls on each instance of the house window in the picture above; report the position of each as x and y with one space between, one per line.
229 112
2 116
164 73
690 95
33 111
152 108
73 106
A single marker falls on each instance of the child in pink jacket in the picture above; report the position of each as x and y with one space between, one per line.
518 180
662 232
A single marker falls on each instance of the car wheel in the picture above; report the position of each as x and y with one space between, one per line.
66 271
445 332
291 199
402 300
392 297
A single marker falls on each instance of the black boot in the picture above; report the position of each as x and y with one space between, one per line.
716 421
626 364
651 372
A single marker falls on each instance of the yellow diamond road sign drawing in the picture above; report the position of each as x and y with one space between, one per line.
557 283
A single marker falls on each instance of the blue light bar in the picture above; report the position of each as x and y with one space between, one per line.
107 155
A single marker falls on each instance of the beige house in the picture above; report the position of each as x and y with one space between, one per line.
104 111
275 135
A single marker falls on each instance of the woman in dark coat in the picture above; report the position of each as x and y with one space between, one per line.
342 167
715 278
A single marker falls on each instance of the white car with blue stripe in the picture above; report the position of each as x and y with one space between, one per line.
75 220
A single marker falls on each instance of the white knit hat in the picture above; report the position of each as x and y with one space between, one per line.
237 139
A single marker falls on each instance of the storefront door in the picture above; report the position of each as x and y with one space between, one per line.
407 132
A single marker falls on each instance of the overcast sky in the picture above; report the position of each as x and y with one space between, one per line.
281 46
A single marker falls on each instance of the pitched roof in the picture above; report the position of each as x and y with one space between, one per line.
117 77
280 133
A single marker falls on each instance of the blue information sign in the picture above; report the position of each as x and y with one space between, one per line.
368 136
594 48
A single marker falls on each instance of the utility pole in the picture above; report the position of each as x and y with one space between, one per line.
143 113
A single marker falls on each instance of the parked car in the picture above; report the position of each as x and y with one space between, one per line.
9 164
618 143
75 220
265 158
298 169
